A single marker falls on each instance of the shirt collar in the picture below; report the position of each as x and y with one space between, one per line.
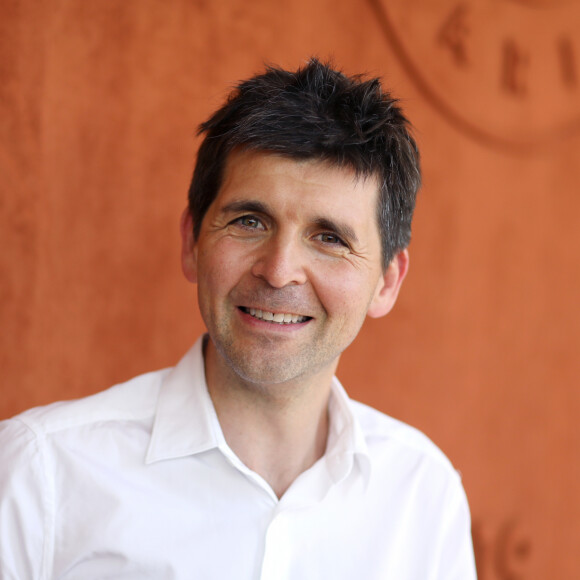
186 422
346 447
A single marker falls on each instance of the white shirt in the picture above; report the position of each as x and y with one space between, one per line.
138 482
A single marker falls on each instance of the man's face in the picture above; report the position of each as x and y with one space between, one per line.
288 265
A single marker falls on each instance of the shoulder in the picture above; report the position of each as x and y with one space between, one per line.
415 488
48 453
383 433
133 400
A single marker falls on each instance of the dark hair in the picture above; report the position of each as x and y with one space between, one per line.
316 113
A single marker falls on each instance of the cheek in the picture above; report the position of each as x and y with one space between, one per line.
220 265
343 292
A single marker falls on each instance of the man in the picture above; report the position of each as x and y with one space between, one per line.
248 460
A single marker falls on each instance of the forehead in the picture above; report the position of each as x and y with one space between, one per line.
281 179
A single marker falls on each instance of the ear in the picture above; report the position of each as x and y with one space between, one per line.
188 247
389 284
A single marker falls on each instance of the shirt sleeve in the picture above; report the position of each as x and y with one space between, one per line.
25 502
457 560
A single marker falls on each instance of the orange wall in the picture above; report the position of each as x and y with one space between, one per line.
98 107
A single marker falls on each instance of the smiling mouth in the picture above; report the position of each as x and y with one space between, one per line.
275 317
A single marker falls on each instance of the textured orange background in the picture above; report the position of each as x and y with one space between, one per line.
99 102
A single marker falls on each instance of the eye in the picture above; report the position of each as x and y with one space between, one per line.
250 222
330 238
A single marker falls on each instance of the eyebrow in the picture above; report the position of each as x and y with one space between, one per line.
341 229
247 205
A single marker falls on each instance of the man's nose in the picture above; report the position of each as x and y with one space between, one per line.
281 262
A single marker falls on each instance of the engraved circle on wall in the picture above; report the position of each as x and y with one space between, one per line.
506 72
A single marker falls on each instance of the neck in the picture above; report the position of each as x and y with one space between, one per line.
278 431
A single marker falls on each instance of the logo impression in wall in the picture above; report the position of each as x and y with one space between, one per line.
506 72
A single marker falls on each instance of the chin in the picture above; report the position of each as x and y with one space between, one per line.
265 373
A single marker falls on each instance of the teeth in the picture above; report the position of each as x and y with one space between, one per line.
279 317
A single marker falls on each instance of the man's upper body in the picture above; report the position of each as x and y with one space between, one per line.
139 482
297 229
